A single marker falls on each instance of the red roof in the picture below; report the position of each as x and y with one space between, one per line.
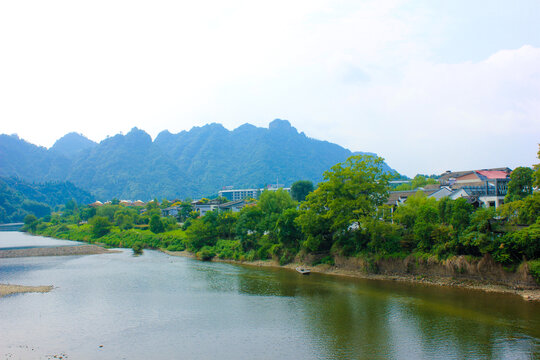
493 174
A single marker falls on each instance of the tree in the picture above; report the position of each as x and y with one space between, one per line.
87 213
200 234
30 222
350 194
300 189
137 248
520 186
274 202
156 225
248 226
461 214
288 232
537 171
100 226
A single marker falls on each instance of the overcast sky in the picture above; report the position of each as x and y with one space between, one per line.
428 85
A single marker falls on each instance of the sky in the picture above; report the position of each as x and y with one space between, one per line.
428 85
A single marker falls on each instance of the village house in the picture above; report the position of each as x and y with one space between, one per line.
486 187
171 211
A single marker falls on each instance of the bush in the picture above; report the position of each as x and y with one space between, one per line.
176 247
100 226
325 260
534 269
206 253
156 225
286 258
137 248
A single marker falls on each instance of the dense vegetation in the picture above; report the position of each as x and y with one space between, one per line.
19 198
191 163
344 216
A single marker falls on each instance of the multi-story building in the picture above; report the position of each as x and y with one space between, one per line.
241 194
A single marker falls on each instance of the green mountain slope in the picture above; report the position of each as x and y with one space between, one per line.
19 198
191 163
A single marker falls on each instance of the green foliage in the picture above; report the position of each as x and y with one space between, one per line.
520 185
30 222
344 216
100 226
137 248
461 212
199 234
350 194
534 269
156 225
329 260
132 166
419 181
288 232
206 253
300 189
537 171
522 212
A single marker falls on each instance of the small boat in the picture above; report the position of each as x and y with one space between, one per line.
303 270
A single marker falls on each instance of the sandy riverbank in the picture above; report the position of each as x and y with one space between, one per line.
55 251
529 294
6 289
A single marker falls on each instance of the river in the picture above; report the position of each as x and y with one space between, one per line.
120 306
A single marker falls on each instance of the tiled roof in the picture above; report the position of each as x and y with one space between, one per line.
493 174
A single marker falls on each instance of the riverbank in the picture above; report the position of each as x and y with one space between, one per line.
529 293
7 289
55 251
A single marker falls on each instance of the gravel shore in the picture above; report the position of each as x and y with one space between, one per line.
54 251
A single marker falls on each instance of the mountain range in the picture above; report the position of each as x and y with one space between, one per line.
188 164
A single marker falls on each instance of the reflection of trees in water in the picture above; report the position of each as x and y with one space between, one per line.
350 325
366 319
461 324
278 282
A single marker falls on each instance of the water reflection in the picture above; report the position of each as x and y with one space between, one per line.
157 305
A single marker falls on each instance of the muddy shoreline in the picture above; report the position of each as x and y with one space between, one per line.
526 292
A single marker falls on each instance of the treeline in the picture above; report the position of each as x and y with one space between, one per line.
19 198
344 216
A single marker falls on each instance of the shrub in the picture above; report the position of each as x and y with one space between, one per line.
325 260
137 248
206 253
100 226
534 269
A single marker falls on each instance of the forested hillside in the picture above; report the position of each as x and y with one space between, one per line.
19 198
188 164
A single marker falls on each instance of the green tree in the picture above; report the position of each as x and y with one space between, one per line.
200 234
289 234
249 226
87 213
37 208
426 220
156 225
30 222
137 248
461 214
107 211
350 194
300 189
537 171
100 226
520 185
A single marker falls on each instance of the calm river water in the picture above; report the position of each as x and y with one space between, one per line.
118 306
